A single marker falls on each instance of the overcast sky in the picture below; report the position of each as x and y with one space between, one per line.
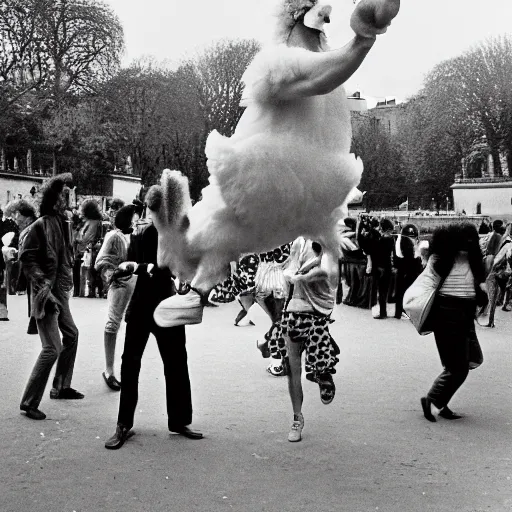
424 33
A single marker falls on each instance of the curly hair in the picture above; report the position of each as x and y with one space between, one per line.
22 206
123 219
116 204
448 241
91 210
51 191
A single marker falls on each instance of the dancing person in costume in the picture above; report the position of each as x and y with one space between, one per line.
456 257
287 170
46 255
153 285
243 284
271 294
304 327
113 252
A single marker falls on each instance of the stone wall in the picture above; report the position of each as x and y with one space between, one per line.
495 199
13 186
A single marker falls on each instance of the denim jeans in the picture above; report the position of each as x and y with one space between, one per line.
64 352
119 295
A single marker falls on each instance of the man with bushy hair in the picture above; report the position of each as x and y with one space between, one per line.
46 254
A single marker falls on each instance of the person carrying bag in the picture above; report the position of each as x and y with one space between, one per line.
444 300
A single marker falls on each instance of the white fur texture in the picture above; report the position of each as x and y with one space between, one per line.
285 172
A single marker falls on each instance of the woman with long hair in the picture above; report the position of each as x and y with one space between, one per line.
86 242
456 257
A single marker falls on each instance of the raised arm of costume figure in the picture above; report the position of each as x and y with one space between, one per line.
322 72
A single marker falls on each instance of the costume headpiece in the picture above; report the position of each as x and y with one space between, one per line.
288 13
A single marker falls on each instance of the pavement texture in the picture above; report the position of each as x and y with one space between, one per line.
370 450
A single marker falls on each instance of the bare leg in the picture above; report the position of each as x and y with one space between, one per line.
294 375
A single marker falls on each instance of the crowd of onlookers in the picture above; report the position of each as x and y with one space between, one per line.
88 225
380 259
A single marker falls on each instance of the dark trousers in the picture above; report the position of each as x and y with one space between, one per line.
381 283
404 278
77 266
64 352
359 284
454 331
171 344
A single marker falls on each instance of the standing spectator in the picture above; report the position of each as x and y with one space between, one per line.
12 268
499 276
456 257
407 263
113 252
47 259
115 205
154 284
492 246
24 214
347 236
76 226
380 262
484 228
86 245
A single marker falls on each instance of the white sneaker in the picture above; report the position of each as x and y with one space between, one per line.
184 309
295 433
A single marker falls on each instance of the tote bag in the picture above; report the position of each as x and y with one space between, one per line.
419 297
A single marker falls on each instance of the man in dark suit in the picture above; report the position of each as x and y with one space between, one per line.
154 284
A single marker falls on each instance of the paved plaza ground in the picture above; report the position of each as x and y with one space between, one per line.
370 450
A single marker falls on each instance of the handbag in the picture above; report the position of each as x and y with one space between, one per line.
419 297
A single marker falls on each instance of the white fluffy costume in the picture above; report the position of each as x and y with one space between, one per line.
287 170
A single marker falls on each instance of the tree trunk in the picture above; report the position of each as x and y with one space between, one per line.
495 152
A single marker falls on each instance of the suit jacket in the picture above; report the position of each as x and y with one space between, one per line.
151 288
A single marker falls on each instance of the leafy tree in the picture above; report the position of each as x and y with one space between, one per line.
150 114
469 97
218 73
383 176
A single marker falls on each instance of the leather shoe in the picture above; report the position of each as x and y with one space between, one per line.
65 394
119 438
112 382
448 414
427 409
32 412
187 432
